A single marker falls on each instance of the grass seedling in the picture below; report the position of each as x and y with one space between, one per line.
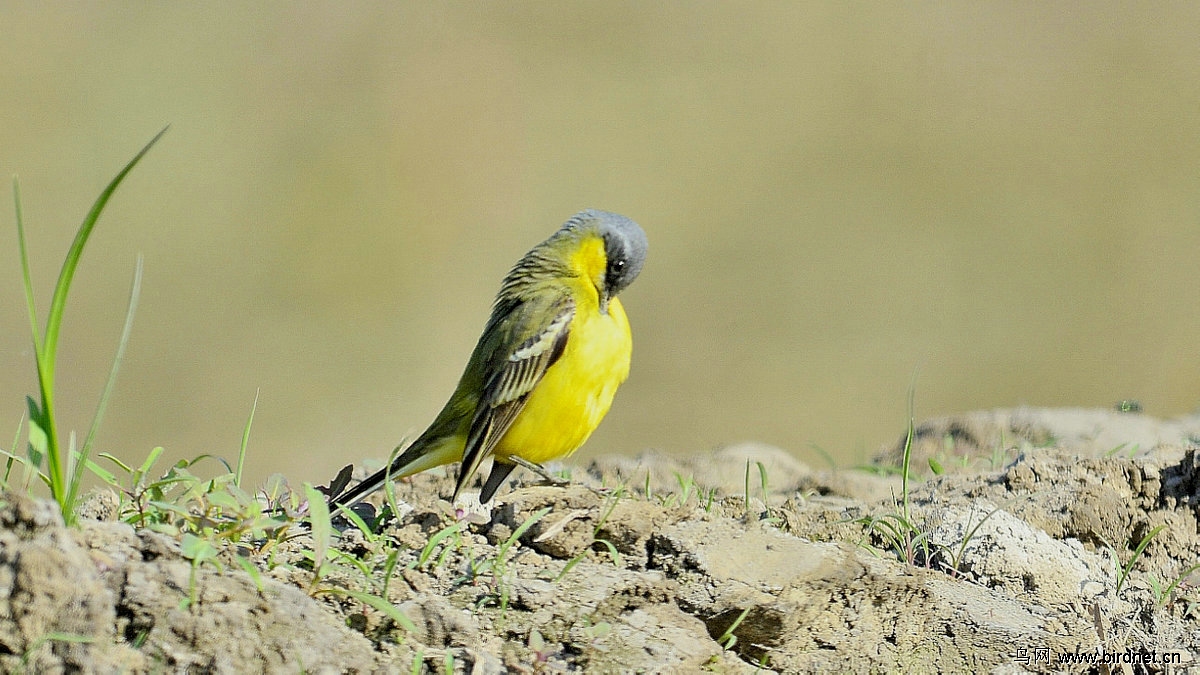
137 476
956 560
368 532
824 454
53 637
878 469
63 475
12 460
746 489
503 548
686 487
249 568
389 567
452 530
324 557
612 549
1162 594
728 639
763 485
903 537
906 460
199 551
766 492
897 529
1123 574
1131 449
999 456
499 564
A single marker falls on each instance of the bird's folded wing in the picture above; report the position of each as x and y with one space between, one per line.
512 376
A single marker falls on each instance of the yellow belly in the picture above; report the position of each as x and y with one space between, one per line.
576 392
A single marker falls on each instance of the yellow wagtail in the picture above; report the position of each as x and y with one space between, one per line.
545 370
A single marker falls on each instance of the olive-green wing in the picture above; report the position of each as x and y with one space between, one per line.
513 373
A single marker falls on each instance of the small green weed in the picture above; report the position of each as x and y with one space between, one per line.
322 532
182 502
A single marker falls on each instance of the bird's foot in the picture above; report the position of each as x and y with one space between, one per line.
540 470
555 481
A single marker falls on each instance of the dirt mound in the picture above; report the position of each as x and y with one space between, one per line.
104 598
1034 534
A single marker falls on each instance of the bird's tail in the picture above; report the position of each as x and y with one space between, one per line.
421 455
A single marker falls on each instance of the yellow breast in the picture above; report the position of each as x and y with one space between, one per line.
577 391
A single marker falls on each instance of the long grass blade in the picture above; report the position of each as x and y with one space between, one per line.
26 277
906 462
135 292
59 300
41 418
245 441
12 456
382 605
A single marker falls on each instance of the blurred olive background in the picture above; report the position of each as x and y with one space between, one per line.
1004 197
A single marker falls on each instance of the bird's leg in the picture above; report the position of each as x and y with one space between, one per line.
553 480
539 470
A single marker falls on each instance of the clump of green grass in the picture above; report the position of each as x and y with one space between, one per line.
182 503
898 529
687 489
63 470
207 515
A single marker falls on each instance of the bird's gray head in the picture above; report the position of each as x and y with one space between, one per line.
624 246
